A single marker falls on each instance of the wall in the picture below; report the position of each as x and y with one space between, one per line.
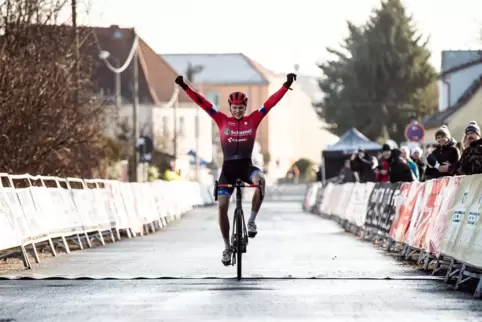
186 129
457 122
429 137
295 129
459 81
125 115
158 123
472 110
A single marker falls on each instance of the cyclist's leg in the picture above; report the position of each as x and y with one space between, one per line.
223 219
256 177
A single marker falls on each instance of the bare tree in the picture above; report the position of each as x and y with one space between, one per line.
45 129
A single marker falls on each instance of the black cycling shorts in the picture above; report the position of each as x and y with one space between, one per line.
234 169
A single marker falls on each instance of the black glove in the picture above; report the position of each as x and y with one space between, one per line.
289 80
180 81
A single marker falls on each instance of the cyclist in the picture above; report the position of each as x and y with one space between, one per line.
237 136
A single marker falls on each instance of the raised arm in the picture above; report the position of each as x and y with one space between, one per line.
277 96
199 99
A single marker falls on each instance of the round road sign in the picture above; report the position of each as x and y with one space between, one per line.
414 132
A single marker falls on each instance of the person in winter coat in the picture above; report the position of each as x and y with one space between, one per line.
382 170
362 166
445 155
471 160
413 166
417 157
346 175
400 171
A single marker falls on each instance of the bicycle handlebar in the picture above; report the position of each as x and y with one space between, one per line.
238 184
242 185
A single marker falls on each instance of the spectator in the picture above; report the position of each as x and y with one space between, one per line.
171 174
399 170
420 162
382 170
362 166
318 174
346 175
406 155
443 157
465 142
471 160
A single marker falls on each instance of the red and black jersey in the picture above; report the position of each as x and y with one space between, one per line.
237 136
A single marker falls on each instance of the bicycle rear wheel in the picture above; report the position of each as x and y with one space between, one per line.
239 243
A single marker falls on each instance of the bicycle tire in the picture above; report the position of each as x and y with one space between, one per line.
239 243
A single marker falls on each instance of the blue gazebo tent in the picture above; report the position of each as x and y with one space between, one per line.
335 155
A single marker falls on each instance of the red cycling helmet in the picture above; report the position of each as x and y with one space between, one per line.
238 98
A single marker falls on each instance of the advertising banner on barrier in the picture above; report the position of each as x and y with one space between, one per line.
343 199
462 201
471 237
373 204
405 205
325 199
357 209
388 212
466 240
9 236
442 215
40 214
381 206
17 217
435 191
424 190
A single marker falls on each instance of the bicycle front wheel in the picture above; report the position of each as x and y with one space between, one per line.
239 243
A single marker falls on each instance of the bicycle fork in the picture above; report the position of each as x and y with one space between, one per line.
234 238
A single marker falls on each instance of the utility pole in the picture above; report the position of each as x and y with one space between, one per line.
190 72
135 117
77 50
174 143
118 87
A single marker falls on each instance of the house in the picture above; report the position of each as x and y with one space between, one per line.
460 94
156 93
295 130
287 133
221 75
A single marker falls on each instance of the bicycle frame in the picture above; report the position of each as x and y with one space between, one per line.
239 225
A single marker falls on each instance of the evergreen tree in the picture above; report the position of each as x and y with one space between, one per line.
382 78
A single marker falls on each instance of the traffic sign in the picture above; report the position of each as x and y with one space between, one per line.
414 132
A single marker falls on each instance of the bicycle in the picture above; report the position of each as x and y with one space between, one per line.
238 245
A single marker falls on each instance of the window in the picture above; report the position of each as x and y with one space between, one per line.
165 126
213 97
182 126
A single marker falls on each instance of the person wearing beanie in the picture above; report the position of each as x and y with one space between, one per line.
362 166
444 156
471 160
383 168
399 169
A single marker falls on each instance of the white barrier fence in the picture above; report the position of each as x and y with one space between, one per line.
436 222
52 211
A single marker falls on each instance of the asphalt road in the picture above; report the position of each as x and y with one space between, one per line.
299 268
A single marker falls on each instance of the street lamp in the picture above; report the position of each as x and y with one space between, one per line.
191 71
104 55
135 105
